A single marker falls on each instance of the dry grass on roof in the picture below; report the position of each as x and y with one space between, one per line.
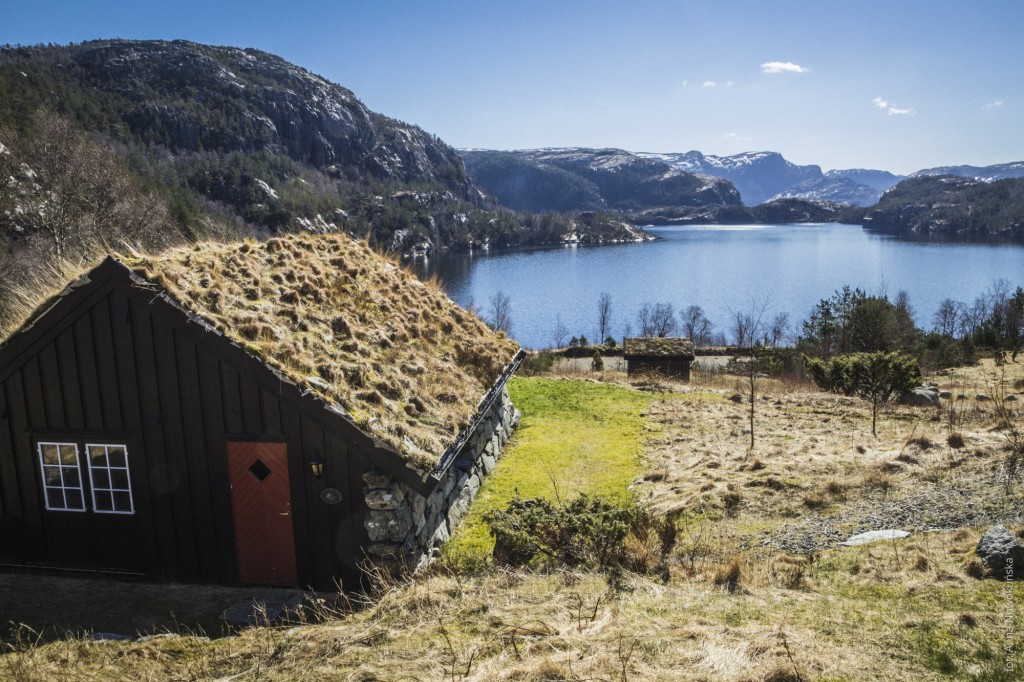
396 353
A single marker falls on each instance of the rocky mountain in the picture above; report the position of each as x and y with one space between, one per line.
835 189
951 206
156 142
577 178
876 179
190 98
757 175
767 176
1002 171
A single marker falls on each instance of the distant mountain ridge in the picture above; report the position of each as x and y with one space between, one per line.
767 176
586 179
1000 171
757 175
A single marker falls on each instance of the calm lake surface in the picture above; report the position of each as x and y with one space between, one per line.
721 269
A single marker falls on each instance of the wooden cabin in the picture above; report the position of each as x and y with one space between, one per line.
245 414
669 357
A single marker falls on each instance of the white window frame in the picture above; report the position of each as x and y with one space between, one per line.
60 466
109 469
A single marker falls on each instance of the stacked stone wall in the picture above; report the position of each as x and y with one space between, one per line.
408 529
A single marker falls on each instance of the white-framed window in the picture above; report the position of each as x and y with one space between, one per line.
62 477
108 477
110 484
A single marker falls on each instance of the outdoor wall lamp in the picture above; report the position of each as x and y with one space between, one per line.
316 464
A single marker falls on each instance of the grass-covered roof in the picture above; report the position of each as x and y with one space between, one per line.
658 347
404 361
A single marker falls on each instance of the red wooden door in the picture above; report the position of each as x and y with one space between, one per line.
261 503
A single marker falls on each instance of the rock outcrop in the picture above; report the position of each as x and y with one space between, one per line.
1002 553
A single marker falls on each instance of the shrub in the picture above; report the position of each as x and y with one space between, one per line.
878 377
587 532
597 364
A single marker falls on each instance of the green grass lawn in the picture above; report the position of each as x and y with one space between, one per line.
575 436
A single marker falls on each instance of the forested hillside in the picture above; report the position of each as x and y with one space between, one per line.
951 206
154 143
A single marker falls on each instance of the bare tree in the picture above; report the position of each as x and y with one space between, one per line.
696 326
743 332
501 312
604 316
560 332
973 317
77 194
775 330
748 326
657 320
947 317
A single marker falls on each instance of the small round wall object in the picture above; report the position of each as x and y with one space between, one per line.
330 496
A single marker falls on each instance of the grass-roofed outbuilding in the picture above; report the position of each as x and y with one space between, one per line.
666 356
262 412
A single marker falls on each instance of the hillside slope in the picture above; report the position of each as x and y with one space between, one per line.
948 205
159 143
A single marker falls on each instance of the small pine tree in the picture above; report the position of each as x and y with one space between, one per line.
583 341
597 364
609 341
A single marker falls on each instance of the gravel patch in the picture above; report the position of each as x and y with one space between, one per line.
930 507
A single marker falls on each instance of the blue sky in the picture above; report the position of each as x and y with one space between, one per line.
897 85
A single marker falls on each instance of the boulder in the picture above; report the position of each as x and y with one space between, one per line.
983 397
1001 553
922 395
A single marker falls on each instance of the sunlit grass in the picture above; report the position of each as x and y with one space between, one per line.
574 437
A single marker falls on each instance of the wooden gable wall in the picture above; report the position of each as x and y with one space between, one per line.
113 362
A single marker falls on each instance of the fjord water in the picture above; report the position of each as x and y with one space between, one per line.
722 269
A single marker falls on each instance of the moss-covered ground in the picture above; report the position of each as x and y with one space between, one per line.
574 437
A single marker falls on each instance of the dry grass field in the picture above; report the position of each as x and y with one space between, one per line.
759 588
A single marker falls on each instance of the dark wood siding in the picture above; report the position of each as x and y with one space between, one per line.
669 367
114 363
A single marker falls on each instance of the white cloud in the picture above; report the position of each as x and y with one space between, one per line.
729 84
993 105
782 67
708 84
735 137
891 108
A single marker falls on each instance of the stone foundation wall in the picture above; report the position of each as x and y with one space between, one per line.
407 529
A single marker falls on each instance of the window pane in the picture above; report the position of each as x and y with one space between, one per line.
51 476
71 478
97 456
54 498
122 502
68 454
74 499
50 454
117 457
119 479
101 479
104 502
